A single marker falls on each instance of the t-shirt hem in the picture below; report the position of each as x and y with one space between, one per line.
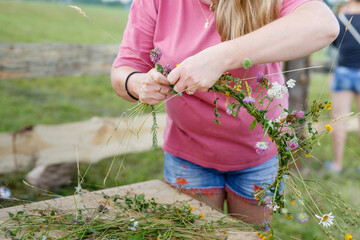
220 167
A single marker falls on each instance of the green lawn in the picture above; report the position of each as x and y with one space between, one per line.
28 21
56 100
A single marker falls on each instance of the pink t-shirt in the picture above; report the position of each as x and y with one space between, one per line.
177 28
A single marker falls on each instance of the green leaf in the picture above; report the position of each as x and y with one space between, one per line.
159 68
302 120
11 215
172 89
253 124
136 237
292 109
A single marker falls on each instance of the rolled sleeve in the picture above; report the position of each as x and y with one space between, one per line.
138 36
288 6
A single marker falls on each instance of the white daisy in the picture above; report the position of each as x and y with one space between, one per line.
283 115
326 220
79 190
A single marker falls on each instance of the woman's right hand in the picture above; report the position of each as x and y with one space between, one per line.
152 87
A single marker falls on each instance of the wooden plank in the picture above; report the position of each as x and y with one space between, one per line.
157 189
89 141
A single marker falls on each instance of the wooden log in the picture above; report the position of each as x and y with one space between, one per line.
30 60
156 189
89 141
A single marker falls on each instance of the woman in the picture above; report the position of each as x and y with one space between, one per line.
346 81
206 39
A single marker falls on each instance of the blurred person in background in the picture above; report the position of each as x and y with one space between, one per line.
345 84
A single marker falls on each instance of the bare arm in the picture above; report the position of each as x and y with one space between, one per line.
307 29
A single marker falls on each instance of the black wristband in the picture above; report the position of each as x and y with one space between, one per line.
126 88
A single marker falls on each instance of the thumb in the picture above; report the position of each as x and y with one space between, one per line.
174 76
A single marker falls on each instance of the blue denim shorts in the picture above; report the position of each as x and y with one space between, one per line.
346 79
188 176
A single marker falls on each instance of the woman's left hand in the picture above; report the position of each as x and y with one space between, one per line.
198 72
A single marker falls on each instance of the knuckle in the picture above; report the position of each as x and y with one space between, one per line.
147 82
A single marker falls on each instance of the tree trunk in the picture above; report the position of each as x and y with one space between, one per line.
298 95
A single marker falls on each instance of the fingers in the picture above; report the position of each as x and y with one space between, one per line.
164 89
180 85
158 77
174 76
189 80
190 92
154 88
153 94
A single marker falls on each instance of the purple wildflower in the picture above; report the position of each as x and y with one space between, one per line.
167 69
268 200
155 55
302 217
261 147
75 220
259 76
265 225
88 219
299 114
293 144
102 209
262 80
249 100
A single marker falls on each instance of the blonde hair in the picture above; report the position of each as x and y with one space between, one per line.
235 18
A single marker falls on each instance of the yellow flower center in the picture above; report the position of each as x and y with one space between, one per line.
328 127
348 236
325 218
